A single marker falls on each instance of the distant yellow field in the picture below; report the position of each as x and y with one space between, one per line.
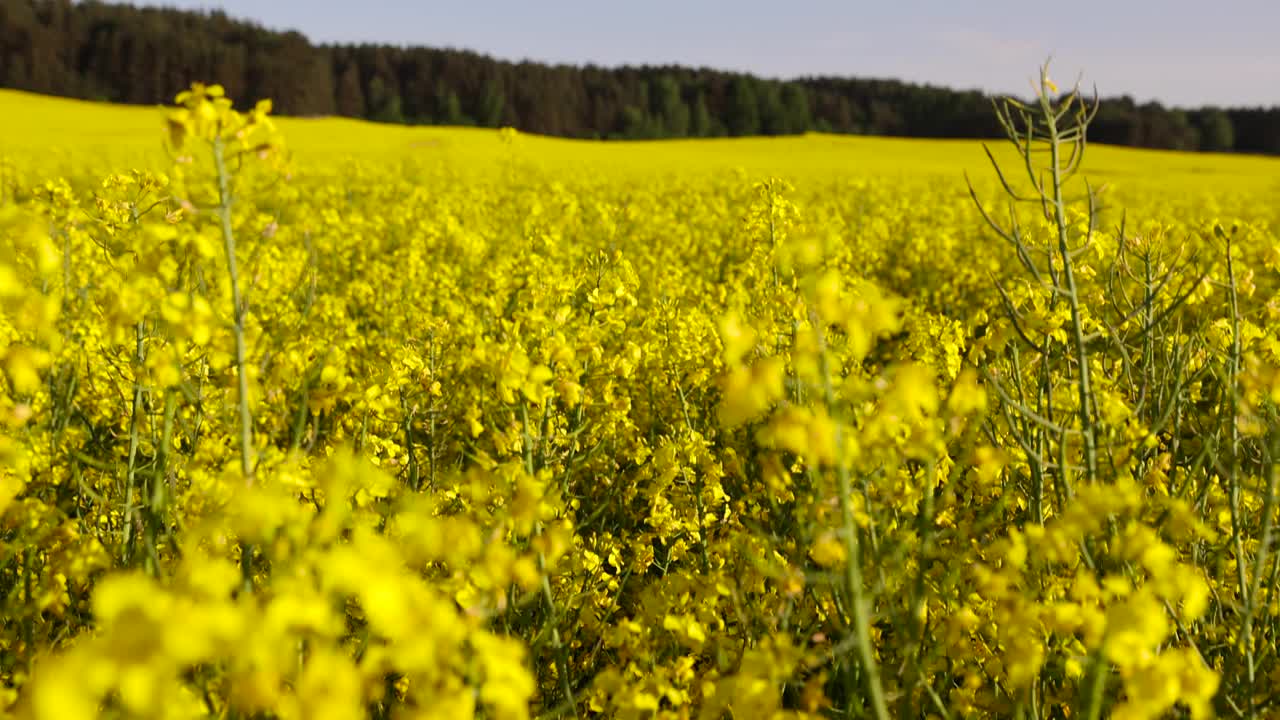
59 130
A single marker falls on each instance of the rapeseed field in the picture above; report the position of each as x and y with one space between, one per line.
312 418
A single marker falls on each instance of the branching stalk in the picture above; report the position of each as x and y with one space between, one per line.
1068 278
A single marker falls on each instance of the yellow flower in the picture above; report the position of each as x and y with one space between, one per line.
1136 626
828 551
737 339
750 391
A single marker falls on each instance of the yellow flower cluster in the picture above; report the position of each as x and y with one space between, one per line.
338 436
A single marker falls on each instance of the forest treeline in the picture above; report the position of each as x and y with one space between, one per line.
120 53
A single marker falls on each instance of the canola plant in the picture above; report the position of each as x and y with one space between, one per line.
321 419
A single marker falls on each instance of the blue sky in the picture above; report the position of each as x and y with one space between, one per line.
1175 51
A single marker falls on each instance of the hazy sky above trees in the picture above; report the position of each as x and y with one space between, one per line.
1176 51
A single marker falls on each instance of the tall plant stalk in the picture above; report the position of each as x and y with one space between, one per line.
1057 127
225 199
860 605
1055 139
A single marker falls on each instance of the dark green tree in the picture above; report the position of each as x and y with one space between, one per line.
1217 134
773 114
637 124
671 109
385 104
492 103
795 102
449 107
743 114
350 96
700 117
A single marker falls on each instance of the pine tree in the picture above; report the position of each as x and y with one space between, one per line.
744 112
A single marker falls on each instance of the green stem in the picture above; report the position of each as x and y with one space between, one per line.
159 494
1073 297
131 473
1247 590
1097 684
562 657
860 609
229 241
